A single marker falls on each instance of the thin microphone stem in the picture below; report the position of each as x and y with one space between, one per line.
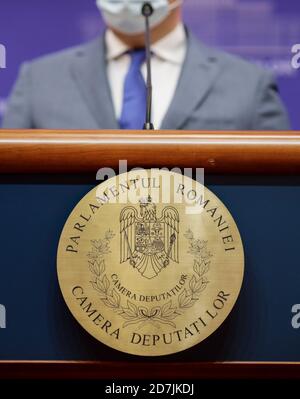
147 12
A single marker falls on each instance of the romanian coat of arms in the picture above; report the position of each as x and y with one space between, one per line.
149 242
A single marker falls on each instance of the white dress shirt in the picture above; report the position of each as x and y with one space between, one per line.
167 61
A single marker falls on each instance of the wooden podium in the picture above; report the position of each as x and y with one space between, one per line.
45 173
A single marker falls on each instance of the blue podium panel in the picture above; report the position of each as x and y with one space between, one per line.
40 327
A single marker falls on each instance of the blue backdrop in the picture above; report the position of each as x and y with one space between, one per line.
261 30
39 326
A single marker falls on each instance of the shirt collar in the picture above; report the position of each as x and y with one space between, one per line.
115 48
170 48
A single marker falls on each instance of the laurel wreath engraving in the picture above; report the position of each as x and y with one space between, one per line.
133 314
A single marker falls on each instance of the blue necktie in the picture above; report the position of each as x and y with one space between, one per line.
135 93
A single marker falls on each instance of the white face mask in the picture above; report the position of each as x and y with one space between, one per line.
126 15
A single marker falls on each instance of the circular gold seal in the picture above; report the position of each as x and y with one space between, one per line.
150 262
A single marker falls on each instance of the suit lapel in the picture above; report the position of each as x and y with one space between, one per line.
89 73
198 74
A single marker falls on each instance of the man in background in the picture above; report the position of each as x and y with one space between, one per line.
101 85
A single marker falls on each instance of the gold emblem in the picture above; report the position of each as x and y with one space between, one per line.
147 276
149 242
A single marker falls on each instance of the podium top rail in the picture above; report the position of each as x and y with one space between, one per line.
85 151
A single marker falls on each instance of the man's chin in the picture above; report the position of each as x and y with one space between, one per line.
135 39
128 34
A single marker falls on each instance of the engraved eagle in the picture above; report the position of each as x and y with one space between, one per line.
149 242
